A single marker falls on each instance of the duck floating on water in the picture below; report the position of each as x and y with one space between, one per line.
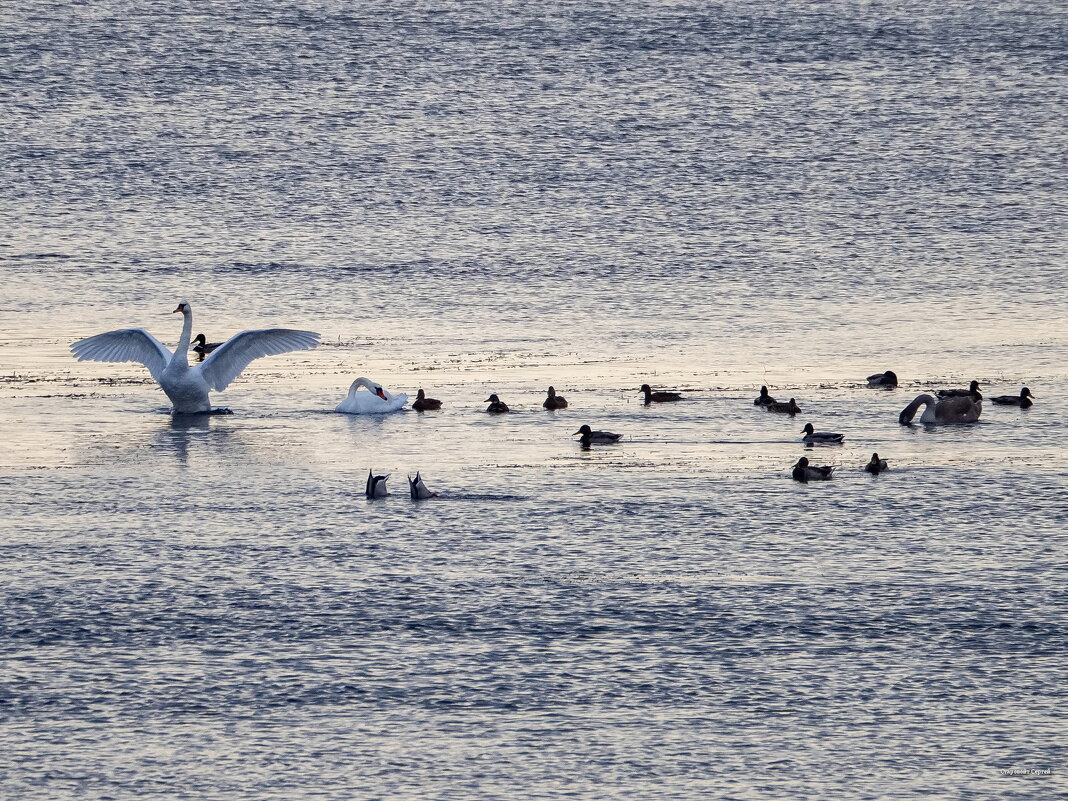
376 485
971 391
876 465
187 386
591 437
376 400
1023 400
791 408
804 472
425 404
887 380
203 347
814 437
947 411
554 401
658 397
418 489
496 405
764 399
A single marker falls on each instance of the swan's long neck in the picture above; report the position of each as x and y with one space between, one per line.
368 384
181 350
909 411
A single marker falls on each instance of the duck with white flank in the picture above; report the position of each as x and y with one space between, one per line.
554 401
418 489
790 408
1023 400
876 465
947 411
375 400
814 437
591 437
887 380
425 404
496 405
764 399
376 485
203 347
804 472
188 387
658 397
972 391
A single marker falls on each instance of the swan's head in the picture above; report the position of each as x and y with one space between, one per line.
367 383
585 430
808 429
183 307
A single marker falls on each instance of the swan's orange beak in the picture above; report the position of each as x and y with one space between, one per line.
380 393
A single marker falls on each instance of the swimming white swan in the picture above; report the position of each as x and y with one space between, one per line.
375 401
947 411
187 387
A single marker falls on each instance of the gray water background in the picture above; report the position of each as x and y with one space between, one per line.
476 198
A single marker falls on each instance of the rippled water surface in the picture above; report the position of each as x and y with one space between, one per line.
480 198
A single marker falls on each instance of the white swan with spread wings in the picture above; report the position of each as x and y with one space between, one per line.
188 386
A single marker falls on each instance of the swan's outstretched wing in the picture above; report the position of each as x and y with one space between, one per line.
226 362
124 345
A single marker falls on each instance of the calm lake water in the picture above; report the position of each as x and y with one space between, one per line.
479 198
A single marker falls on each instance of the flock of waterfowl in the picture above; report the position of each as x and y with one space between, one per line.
946 407
219 363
